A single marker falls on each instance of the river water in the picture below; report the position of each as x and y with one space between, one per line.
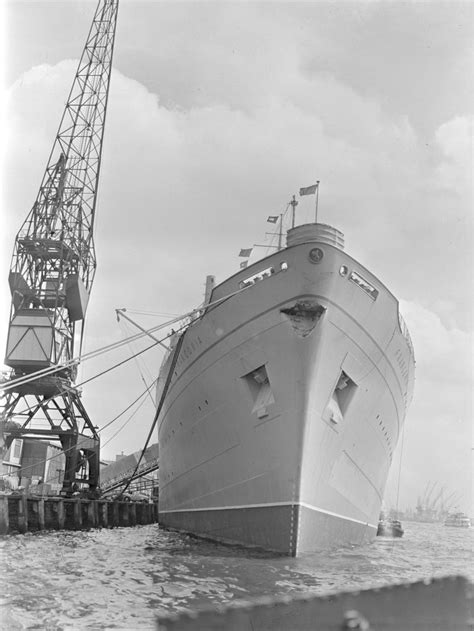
124 578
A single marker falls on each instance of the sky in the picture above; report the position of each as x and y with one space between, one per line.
218 113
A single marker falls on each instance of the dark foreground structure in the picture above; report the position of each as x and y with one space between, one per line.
20 514
443 604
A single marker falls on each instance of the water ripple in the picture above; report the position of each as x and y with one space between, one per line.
123 578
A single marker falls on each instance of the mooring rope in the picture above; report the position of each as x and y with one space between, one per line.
13 383
37 374
159 407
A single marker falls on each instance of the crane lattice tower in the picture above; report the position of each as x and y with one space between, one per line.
52 272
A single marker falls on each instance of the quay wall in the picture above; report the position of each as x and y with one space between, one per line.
20 513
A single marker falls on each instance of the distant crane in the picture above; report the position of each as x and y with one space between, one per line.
421 503
429 494
434 502
53 269
445 503
451 501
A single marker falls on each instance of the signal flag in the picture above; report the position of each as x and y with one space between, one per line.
309 190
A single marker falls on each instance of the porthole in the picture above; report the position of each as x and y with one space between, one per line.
316 255
343 270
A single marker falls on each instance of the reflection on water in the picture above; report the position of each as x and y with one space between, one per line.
123 578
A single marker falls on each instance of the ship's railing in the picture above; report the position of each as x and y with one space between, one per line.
406 333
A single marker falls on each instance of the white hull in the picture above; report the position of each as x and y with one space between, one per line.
458 520
280 458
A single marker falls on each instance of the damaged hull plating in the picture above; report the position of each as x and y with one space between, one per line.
286 404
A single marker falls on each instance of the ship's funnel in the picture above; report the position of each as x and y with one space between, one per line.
320 232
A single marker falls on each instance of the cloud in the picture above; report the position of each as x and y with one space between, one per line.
455 139
438 431
185 184
438 346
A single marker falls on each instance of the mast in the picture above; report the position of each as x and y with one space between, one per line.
53 268
316 205
280 233
293 204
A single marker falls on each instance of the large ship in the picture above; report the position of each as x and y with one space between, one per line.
281 403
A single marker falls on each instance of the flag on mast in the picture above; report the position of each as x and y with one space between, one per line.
272 219
246 253
309 190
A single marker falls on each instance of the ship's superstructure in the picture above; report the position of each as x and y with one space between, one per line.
285 401
458 520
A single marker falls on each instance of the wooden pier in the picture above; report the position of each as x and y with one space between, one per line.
21 513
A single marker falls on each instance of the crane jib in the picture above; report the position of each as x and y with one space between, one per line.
53 268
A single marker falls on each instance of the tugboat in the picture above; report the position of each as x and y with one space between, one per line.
388 525
390 528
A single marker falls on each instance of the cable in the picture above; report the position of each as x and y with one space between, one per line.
159 407
123 325
53 369
122 426
64 451
178 347
152 313
400 465
103 372
274 235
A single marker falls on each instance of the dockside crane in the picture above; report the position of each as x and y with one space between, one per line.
433 505
421 502
52 272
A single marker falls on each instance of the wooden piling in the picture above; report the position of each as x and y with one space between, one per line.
61 515
77 514
4 515
125 506
91 514
22 513
103 514
41 522
132 514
